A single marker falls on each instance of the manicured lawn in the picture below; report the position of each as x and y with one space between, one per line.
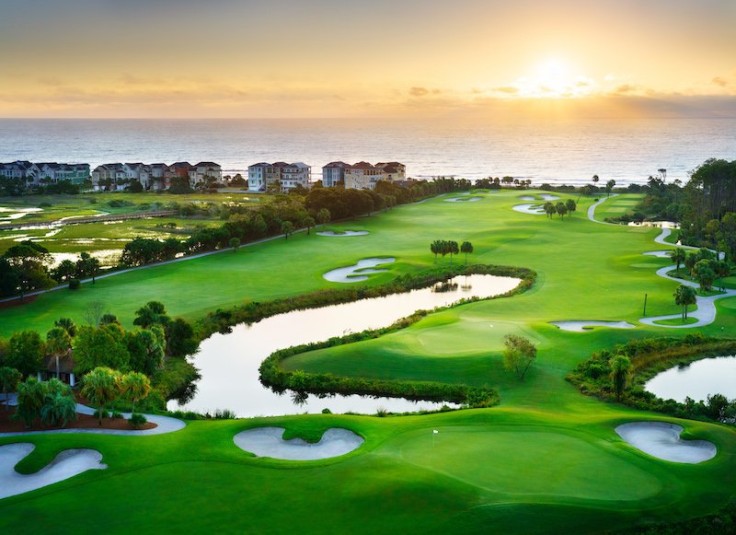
547 460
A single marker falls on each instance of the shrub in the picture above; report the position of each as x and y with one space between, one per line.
137 420
74 284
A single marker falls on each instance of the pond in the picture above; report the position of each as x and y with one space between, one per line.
696 380
229 363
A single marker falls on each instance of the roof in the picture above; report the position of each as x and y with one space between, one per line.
66 363
362 165
207 164
333 165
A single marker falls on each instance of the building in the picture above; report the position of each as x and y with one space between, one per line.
287 175
333 174
363 175
205 172
46 173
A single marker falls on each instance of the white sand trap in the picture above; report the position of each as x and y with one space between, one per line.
527 198
343 234
658 254
548 197
267 442
357 272
581 326
533 209
662 440
67 464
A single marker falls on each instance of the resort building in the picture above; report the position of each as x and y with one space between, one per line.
45 173
288 175
363 175
333 174
157 176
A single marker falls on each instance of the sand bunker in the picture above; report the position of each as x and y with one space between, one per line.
662 440
527 198
343 234
267 442
463 199
533 209
548 197
357 272
581 326
67 464
659 254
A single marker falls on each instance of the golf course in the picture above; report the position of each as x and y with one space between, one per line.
546 459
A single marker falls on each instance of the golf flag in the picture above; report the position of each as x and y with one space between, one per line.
434 431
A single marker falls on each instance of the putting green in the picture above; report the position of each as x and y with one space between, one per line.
523 462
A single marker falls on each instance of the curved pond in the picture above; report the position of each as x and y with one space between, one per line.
697 380
229 362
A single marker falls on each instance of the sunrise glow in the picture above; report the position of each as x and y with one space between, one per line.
99 59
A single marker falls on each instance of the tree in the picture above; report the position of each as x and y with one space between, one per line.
684 296
68 325
234 244
436 248
705 274
287 227
100 346
323 216
308 222
9 379
153 313
609 186
31 394
25 352
65 270
571 205
518 355
678 257
549 209
180 339
59 407
135 386
101 387
58 344
620 373
561 209
596 178
147 349
28 262
452 248
466 248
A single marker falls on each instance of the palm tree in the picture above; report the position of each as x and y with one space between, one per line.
135 386
101 386
620 372
684 296
678 257
467 248
58 343
9 379
31 394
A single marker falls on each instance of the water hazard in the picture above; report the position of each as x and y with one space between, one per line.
697 380
229 362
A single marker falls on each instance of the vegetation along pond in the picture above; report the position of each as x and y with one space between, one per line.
696 380
229 362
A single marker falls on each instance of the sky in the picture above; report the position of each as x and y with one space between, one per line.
360 58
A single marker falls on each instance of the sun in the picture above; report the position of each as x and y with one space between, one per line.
554 77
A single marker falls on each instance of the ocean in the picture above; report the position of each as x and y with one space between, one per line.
556 152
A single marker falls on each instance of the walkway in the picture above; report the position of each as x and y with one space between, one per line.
706 308
164 424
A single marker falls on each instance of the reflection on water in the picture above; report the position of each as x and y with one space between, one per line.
697 380
229 362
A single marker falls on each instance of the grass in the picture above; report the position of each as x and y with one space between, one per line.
677 321
547 460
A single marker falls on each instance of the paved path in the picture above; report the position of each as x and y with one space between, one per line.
164 424
592 207
706 308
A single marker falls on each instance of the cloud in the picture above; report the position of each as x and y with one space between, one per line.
507 90
419 92
720 81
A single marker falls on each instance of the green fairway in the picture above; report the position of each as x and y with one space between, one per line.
547 460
